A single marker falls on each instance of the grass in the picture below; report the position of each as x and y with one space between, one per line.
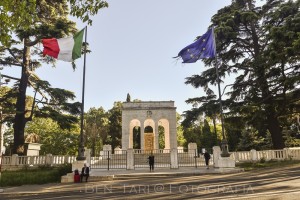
248 166
41 175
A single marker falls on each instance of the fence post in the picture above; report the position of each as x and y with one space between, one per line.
108 158
216 155
286 154
174 158
195 156
253 155
191 148
49 159
87 155
130 159
14 159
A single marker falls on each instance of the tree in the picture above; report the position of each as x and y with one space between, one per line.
96 129
44 23
161 137
136 137
54 140
128 98
260 45
208 139
206 105
181 141
192 134
115 124
251 140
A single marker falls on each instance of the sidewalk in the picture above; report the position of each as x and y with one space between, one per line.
163 171
115 174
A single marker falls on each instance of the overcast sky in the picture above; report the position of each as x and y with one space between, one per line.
132 43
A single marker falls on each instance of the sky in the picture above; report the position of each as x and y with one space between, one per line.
133 43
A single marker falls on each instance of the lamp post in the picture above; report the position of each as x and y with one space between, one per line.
224 143
81 140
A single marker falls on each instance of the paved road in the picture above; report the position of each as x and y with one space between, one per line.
266 184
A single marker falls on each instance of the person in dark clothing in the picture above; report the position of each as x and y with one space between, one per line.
85 172
151 162
206 157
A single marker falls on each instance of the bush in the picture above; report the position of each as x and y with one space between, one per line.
41 175
262 160
266 164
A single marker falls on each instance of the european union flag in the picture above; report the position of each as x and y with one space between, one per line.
204 47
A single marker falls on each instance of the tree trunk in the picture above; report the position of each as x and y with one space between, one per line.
274 128
272 121
20 120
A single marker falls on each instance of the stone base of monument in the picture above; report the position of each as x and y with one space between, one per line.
78 165
69 178
225 162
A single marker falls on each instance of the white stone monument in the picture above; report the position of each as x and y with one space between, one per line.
33 149
149 114
222 162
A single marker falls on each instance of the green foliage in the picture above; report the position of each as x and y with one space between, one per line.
16 15
208 139
115 124
41 175
161 137
290 139
137 137
12 15
54 140
181 141
250 140
248 166
192 135
96 129
85 9
128 98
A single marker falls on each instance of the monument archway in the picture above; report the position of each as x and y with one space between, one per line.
149 115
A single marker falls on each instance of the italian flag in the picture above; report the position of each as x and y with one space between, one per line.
66 49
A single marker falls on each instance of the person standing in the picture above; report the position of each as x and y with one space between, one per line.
151 162
85 172
207 158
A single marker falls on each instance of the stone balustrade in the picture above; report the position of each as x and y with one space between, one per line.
16 162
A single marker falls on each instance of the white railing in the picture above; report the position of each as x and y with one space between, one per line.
239 156
49 159
253 155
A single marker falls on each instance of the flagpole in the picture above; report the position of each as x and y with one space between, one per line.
224 144
81 141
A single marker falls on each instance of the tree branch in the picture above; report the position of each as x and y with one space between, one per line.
32 43
13 55
10 77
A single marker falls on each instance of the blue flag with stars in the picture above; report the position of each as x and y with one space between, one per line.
204 47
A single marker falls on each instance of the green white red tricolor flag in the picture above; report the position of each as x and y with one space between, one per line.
66 49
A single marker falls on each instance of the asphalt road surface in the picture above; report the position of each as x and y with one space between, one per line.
266 184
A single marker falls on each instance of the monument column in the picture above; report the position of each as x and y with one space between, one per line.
172 130
125 131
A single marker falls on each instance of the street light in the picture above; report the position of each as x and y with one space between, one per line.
224 143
